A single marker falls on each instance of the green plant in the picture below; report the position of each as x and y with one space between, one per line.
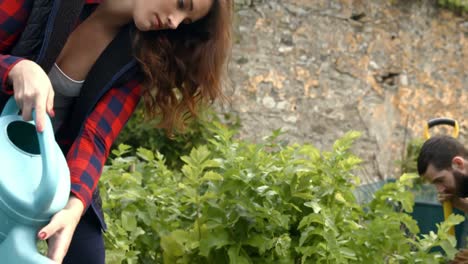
461 5
237 202
140 132
409 162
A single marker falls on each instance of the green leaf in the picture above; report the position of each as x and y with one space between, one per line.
454 219
283 245
210 164
129 221
346 141
314 205
311 218
445 226
339 197
235 257
145 154
407 179
348 253
303 195
312 152
260 241
121 150
212 176
449 248
171 247
213 239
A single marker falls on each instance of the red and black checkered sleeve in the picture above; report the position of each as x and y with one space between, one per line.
6 63
13 17
90 150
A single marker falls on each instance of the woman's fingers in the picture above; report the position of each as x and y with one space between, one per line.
40 115
59 234
44 104
26 111
53 227
50 103
58 245
59 231
32 89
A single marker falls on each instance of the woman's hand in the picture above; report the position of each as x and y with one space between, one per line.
60 230
32 89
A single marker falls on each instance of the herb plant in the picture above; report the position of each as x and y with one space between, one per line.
238 202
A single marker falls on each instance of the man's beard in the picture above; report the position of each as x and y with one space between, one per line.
461 184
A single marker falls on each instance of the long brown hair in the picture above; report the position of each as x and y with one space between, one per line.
185 67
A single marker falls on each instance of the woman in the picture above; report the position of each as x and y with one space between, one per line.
170 53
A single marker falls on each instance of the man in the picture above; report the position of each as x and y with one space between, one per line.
443 161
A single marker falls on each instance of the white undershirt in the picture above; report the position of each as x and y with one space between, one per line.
66 90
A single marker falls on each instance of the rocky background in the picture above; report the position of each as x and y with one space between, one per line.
319 68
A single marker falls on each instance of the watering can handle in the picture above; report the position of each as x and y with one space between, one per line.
46 190
10 107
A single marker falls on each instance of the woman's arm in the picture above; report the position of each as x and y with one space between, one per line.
86 159
90 150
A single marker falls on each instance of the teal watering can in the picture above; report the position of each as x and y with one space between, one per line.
34 185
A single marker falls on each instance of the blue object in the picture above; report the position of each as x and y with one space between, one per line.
34 185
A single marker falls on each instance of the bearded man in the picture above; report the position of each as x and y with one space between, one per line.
443 161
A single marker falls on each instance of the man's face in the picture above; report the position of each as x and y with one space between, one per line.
448 181
443 180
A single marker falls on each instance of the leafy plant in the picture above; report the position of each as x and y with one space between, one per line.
141 132
409 162
237 202
461 5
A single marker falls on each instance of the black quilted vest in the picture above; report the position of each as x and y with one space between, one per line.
46 31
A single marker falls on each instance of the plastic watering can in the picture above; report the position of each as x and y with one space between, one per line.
34 185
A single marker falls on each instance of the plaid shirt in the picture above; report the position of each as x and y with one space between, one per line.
13 17
90 149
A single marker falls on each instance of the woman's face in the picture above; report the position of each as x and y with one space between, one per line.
168 14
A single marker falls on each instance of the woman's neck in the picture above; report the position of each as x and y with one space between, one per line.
113 14
92 36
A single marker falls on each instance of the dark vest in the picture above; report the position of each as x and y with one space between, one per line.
46 31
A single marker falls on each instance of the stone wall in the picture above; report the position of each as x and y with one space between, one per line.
319 68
